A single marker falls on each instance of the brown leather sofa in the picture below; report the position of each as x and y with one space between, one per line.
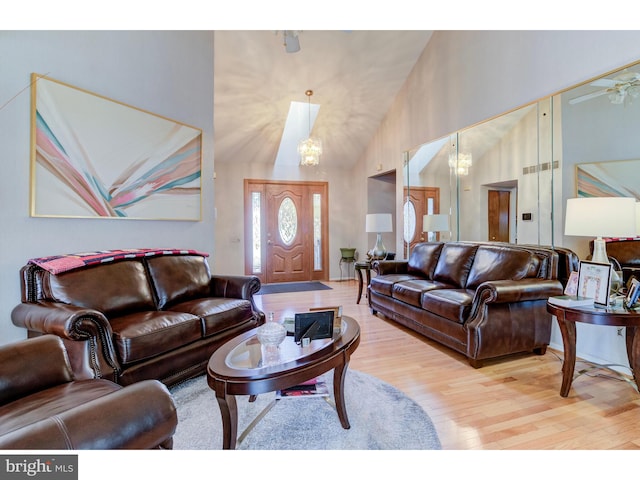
483 300
157 317
43 406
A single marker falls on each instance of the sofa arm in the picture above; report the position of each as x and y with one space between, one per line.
508 291
66 321
86 333
383 267
139 416
235 286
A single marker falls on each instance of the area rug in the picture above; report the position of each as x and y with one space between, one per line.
292 287
381 418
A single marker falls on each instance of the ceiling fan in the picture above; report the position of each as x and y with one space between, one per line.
619 88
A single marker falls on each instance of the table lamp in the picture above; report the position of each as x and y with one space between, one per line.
378 223
600 217
437 222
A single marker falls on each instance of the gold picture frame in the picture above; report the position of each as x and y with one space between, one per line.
93 157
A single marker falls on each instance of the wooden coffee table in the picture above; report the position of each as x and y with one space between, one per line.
244 367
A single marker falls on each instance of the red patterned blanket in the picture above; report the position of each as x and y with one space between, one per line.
63 263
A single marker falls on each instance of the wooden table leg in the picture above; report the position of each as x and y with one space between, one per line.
633 350
338 392
568 331
359 270
229 412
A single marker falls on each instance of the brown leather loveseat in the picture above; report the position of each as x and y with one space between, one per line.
157 315
484 300
44 407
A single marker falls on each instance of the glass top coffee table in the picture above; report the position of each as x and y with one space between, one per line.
243 366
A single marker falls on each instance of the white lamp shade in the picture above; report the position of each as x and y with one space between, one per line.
638 219
600 217
435 223
378 223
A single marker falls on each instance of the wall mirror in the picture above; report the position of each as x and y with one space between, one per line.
507 179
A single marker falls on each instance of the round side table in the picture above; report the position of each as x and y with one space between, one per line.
359 267
614 316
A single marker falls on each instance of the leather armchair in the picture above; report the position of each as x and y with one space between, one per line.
43 406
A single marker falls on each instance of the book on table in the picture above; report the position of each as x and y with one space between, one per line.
316 387
571 301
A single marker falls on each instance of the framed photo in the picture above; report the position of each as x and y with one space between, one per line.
572 284
594 280
633 293
93 157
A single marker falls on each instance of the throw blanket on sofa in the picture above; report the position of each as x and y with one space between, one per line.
63 263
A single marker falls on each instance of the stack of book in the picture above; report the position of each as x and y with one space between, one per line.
571 301
316 387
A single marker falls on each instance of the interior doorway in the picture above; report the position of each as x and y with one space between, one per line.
286 230
501 210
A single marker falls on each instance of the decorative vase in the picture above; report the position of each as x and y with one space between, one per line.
271 334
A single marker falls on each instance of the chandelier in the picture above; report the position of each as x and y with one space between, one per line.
460 164
311 148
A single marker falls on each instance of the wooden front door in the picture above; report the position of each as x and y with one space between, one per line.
498 202
419 201
286 230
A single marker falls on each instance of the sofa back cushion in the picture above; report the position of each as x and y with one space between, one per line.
423 259
454 263
178 278
111 288
493 262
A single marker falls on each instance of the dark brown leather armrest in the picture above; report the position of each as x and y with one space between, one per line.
383 267
60 319
235 286
507 291
139 416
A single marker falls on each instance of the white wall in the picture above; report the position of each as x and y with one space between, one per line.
465 77
167 73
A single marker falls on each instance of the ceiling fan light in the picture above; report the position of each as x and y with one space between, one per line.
617 97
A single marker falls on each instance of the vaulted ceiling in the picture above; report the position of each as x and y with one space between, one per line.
355 76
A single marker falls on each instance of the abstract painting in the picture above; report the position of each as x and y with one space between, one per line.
618 178
92 157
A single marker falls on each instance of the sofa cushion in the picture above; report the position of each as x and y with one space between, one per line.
143 335
52 401
493 262
110 288
452 304
217 314
383 284
454 263
410 291
423 259
177 278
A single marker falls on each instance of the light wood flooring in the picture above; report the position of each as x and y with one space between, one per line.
509 404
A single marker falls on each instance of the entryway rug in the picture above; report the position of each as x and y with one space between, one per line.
292 287
381 418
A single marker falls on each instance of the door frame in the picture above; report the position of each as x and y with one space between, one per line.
259 185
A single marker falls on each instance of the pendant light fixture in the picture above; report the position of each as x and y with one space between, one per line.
311 148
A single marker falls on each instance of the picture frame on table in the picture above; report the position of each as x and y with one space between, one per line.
594 281
633 293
